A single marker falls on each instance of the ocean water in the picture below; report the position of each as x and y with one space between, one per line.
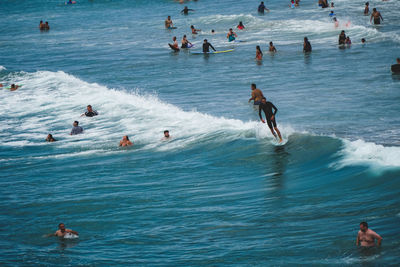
222 191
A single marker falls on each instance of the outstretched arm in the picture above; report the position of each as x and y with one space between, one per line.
212 47
358 240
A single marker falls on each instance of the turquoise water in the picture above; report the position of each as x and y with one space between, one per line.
221 192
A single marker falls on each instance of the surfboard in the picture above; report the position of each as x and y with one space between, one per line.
214 52
173 48
9 87
70 236
395 68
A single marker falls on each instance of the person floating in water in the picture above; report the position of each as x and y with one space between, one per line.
168 23
306 46
186 10
76 129
259 54
206 46
240 26
194 30
342 38
125 141
62 231
166 136
376 15
366 9
261 8
256 94
90 112
271 47
175 45
231 35
366 237
269 116
50 138
185 42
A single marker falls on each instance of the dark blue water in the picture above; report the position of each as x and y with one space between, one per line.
222 191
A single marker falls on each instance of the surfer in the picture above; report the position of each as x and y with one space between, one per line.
261 8
185 42
366 237
256 94
366 9
90 112
206 46
50 138
62 231
14 87
269 116
186 10
377 16
175 45
231 35
166 136
306 46
259 53
76 129
168 23
272 47
125 141
240 26
194 30
342 38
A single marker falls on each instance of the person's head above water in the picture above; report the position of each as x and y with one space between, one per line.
263 100
174 38
363 226
305 39
240 23
362 40
89 108
212 31
169 17
270 43
258 47
76 123
367 3
125 138
253 86
13 85
166 133
61 226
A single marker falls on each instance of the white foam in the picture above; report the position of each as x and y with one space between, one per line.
2 68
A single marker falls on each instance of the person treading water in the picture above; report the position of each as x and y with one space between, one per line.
206 46
267 107
76 129
125 141
186 10
90 112
62 231
166 136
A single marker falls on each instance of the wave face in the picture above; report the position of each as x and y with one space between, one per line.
222 191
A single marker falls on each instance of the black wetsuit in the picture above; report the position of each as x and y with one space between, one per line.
307 48
91 113
261 8
186 11
267 108
206 47
342 39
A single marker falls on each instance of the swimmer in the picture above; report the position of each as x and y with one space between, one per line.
76 129
231 35
212 31
271 47
366 237
342 38
185 42
168 23
41 25
259 53
186 10
194 30
348 41
336 22
269 116
125 141
256 94
306 46
14 87
50 138
240 26
175 45
377 16
166 136
46 26
206 46
366 9
90 112
261 8
62 231
363 41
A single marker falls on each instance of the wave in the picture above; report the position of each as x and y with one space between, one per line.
2 68
50 101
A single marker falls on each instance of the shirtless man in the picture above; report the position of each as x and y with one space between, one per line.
168 23
62 231
256 94
377 16
272 47
175 45
125 141
366 9
166 136
366 237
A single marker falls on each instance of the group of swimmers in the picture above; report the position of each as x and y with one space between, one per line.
90 112
44 26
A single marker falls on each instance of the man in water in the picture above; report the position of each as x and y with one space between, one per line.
168 23
342 38
76 129
256 94
62 231
166 136
366 9
231 35
206 46
377 16
50 138
366 237
14 87
306 46
125 141
269 116
175 45
90 112
261 8
186 10
271 47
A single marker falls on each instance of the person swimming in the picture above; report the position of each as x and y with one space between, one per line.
90 112
240 26
348 41
342 38
206 46
50 138
366 9
231 35
125 141
168 23
306 46
259 54
271 47
14 87
185 42
186 10
194 30
175 45
166 136
76 129
62 231
376 15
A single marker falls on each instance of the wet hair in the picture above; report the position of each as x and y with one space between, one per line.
191 26
230 29
254 85
240 23
367 3
258 47
305 39
60 224
205 40
184 35
364 224
127 137
263 98
363 40
77 122
374 9
89 105
13 85
270 43
166 131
